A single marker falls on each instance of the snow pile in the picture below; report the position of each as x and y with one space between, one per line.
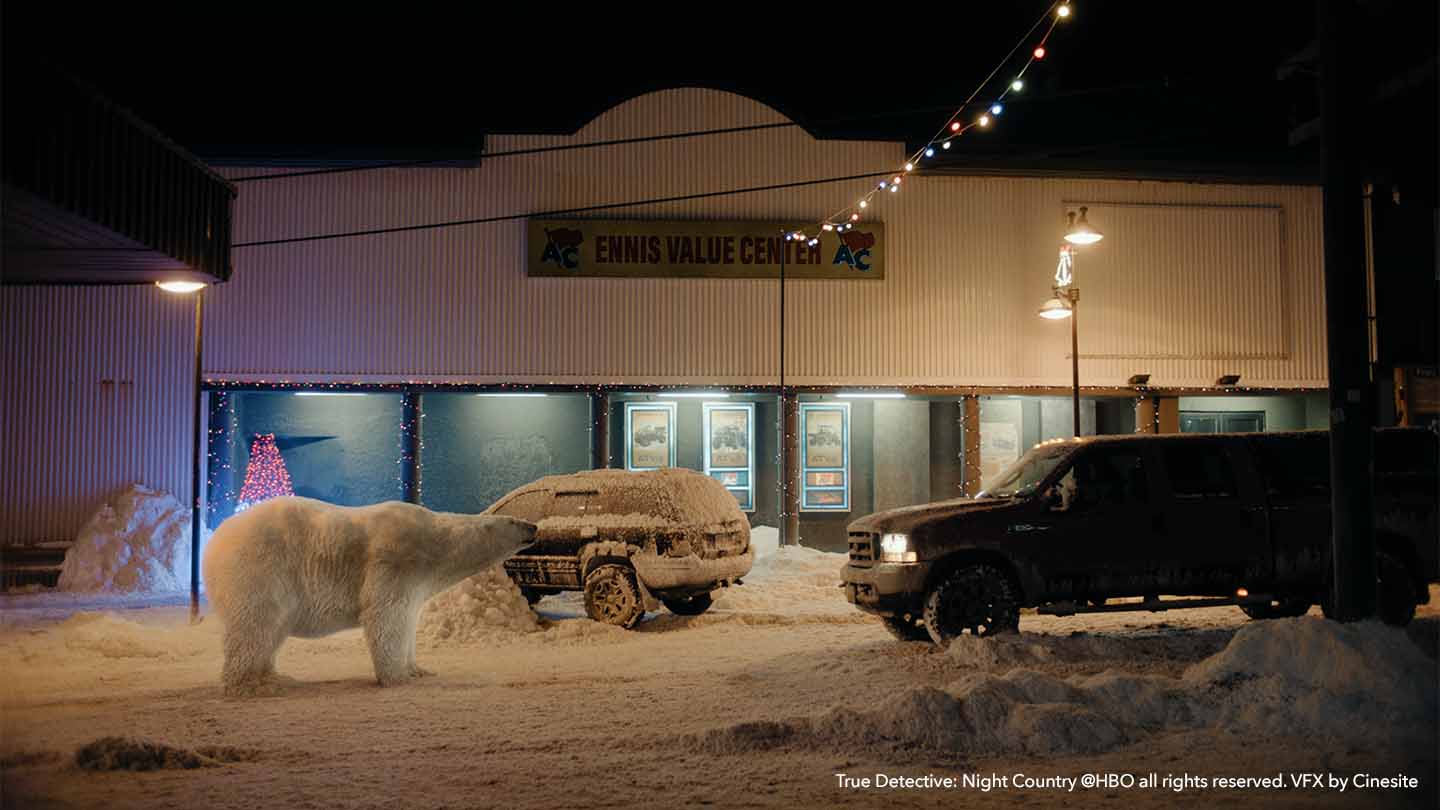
764 541
481 608
139 542
127 754
102 635
1357 684
791 585
1087 652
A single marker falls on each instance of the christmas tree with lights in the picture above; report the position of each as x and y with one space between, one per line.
266 476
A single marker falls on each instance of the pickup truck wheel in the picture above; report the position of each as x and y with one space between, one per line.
905 630
1395 601
612 596
691 606
980 599
1284 608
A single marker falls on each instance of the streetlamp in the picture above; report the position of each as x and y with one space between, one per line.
186 287
1066 298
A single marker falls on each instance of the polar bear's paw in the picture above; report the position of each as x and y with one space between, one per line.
266 685
420 672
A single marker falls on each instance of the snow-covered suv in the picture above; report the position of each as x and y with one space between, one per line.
629 540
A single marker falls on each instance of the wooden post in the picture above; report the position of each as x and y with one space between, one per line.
970 439
1146 415
790 469
1167 415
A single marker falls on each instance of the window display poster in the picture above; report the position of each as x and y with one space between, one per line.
729 448
730 438
824 438
825 457
650 435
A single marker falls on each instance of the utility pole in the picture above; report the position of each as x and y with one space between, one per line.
1352 399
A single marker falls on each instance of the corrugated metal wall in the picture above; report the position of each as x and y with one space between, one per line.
1193 280
96 396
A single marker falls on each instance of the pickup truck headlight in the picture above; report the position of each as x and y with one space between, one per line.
896 548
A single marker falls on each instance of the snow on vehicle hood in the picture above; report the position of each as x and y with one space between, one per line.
908 517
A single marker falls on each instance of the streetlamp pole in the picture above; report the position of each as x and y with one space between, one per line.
1074 295
195 461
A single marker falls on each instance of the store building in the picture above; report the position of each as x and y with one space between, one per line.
621 305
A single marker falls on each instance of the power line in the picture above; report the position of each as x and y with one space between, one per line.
555 212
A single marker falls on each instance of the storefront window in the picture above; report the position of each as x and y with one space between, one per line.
731 436
338 447
477 447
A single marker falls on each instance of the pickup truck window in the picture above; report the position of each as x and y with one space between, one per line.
1112 477
1200 470
1021 478
1294 469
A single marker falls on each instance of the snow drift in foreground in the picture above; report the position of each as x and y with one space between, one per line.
137 543
1356 683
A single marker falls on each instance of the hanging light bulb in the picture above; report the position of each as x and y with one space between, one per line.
1040 52
863 203
854 217
954 126
894 189
996 109
895 181
984 121
1017 85
909 167
929 151
945 145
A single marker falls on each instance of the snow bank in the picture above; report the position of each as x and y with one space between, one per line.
764 540
1357 684
90 636
790 585
139 542
484 607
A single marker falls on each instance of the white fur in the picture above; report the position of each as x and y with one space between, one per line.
300 567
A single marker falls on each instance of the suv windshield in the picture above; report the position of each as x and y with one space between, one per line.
1021 478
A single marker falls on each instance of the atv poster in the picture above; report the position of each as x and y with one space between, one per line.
649 435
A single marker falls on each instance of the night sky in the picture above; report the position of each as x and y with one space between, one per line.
1186 83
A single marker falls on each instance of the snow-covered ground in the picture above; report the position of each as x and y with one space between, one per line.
758 703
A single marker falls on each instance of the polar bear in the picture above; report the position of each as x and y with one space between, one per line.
300 567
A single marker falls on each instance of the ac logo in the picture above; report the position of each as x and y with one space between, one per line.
562 246
854 250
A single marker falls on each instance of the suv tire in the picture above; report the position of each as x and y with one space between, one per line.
1286 607
978 598
903 630
688 606
612 596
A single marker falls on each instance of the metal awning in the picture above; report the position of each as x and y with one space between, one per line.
94 195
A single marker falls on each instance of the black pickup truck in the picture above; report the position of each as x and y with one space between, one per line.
1239 519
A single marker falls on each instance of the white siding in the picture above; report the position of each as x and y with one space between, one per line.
1193 281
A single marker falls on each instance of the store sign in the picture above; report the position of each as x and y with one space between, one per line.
675 249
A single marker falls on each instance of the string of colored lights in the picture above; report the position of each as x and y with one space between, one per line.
954 126
265 476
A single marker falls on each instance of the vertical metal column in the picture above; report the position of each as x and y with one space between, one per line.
790 469
1075 357
1346 329
600 430
970 430
411 408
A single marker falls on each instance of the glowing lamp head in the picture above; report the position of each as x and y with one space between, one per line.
1055 309
1081 232
1040 52
180 287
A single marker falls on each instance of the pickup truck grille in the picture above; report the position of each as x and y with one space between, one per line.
862 548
